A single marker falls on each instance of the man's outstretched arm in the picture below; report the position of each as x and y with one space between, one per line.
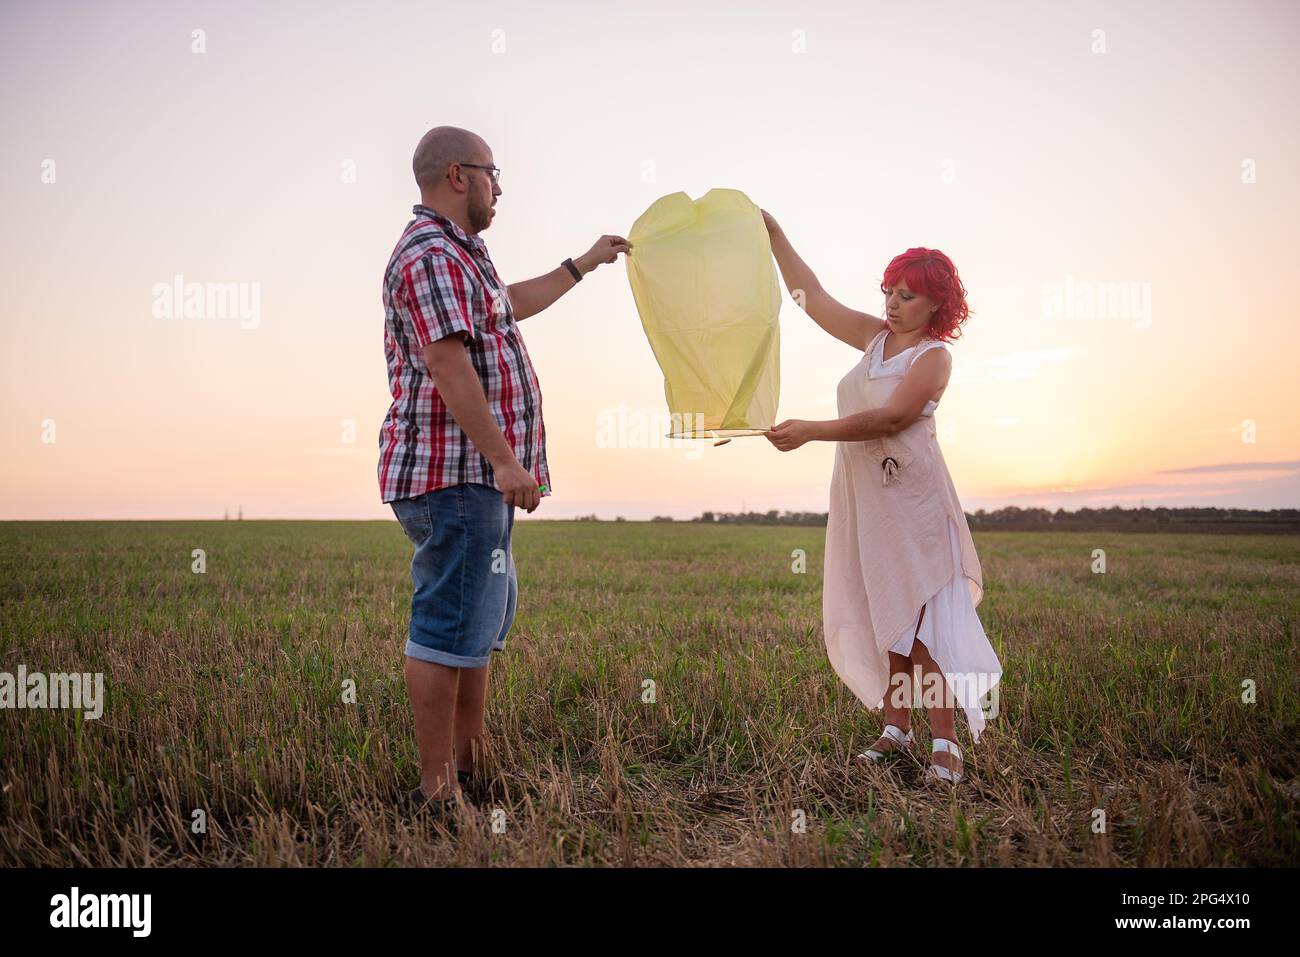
531 296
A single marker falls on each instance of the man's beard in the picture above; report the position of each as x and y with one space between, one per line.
480 216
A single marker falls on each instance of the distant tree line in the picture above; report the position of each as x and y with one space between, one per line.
1190 519
1014 518
772 517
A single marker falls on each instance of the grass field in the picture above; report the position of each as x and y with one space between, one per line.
1122 692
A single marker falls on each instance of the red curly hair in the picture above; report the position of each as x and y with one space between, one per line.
930 273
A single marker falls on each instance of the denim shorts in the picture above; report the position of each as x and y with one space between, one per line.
463 572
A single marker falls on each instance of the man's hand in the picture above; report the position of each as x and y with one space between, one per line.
518 488
531 296
605 250
790 434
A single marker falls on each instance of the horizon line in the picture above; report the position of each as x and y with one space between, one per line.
668 518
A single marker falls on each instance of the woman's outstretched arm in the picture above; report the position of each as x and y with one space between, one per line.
845 324
928 374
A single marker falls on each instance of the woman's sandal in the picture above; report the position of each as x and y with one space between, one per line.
936 772
902 743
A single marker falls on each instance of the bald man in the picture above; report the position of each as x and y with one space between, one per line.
463 444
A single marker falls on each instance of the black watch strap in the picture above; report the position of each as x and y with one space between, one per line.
573 270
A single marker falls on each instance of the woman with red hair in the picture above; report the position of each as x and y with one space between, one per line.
902 578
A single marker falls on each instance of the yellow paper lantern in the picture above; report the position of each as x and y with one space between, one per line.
705 286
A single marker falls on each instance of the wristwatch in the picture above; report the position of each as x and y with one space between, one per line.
568 263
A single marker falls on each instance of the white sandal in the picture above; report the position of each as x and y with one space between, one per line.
936 773
903 742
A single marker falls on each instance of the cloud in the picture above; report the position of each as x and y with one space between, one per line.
1025 364
1269 491
1289 466
345 451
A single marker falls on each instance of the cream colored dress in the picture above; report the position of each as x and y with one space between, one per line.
897 540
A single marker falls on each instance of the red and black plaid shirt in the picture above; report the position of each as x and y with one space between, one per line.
440 282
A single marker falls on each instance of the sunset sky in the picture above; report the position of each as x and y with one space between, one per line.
1054 150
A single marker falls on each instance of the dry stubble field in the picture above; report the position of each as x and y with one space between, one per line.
1122 692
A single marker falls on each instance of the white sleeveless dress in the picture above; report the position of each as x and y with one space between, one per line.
897 541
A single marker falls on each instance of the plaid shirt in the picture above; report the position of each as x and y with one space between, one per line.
440 282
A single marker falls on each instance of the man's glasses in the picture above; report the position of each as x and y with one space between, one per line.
496 173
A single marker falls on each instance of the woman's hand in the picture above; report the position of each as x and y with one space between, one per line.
790 434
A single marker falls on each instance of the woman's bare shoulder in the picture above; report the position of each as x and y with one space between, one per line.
935 346
938 368
875 328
